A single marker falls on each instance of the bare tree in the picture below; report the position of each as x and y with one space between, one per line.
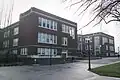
103 10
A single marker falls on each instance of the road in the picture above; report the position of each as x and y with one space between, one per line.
69 71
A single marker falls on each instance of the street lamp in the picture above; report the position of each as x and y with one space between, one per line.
89 64
50 57
100 54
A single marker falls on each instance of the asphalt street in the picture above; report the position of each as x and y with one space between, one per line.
69 71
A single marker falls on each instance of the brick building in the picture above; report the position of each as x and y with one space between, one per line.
101 44
40 35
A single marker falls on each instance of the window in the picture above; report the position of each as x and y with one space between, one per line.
4 34
51 25
6 44
80 39
16 31
64 41
39 51
90 39
8 33
111 48
40 21
44 22
106 47
46 51
65 52
47 38
15 42
39 37
104 40
55 51
43 51
48 24
55 39
24 51
86 40
90 47
72 32
111 41
63 28
14 51
79 46
96 43
86 47
55 25
50 39
66 29
43 37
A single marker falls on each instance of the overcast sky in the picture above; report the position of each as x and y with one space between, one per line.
58 8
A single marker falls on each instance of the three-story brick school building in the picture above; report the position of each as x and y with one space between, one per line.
39 36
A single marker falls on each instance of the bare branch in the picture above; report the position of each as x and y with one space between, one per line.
103 10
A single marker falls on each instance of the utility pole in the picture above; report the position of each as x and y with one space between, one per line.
81 42
50 55
100 54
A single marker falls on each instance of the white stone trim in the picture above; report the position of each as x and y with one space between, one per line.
39 56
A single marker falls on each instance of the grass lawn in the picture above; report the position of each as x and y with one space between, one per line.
112 70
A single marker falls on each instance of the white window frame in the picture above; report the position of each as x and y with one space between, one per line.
16 31
40 21
106 47
47 38
14 51
52 24
39 51
15 42
24 51
64 41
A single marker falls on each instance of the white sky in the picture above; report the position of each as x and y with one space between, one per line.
58 8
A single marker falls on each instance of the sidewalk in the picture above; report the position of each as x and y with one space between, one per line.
68 71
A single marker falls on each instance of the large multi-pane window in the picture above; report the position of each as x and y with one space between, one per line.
106 47
14 51
6 44
111 41
111 48
90 47
65 28
72 32
80 39
104 40
16 31
48 24
69 30
6 34
88 38
23 51
64 53
47 38
64 41
96 43
15 42
46 51
86 47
